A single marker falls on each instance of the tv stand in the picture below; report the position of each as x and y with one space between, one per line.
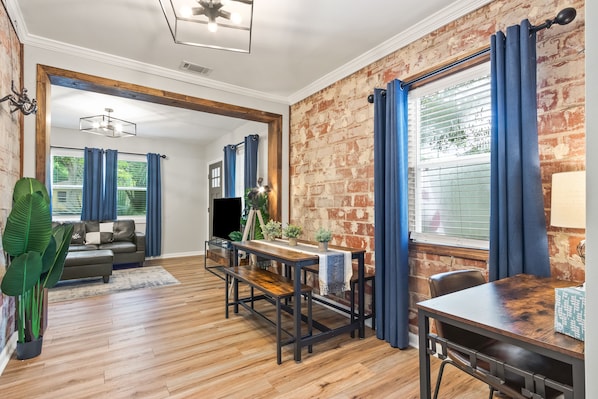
220 251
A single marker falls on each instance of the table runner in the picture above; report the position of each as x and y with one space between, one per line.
336 267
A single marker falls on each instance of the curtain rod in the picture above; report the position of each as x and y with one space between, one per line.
120 152
564 17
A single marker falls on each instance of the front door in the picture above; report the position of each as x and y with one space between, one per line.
214 187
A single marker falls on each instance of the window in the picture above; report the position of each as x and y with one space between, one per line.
67 184
240 172
132 185
449 159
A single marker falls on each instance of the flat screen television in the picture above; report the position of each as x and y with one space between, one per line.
226 217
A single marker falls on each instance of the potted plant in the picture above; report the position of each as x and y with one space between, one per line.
323 236
272 229
292 231
36 260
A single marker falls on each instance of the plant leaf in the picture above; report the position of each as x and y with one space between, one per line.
22 274
29 225
29 185
60 241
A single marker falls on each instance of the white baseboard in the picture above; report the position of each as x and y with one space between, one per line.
413 340
176 255
8 350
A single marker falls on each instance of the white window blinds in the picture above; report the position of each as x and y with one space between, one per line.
449 159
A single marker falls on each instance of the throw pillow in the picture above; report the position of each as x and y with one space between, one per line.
78 237
99 233
124 230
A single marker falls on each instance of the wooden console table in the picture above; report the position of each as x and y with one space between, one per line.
296 260
518 310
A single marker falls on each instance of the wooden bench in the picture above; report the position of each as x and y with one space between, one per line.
354 280
274 288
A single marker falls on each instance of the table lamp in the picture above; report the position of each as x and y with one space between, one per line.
568 204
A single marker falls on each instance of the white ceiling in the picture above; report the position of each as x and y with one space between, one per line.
298 47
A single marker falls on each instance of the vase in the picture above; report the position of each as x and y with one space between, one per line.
323 246
293 241
29 349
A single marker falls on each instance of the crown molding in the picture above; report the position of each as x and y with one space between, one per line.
435 21
47 44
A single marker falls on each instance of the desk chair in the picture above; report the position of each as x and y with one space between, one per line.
497 352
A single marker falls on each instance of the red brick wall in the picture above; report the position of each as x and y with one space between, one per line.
10 153
331 134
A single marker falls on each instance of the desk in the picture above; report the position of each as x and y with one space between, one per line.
297 260
518 310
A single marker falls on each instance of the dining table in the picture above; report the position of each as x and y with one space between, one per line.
518 310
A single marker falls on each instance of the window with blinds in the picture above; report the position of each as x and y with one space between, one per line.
131 183
449 159
67 182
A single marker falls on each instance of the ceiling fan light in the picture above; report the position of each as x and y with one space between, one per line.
186 12
236 18
212 26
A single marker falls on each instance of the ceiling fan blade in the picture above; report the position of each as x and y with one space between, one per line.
198 11
224 14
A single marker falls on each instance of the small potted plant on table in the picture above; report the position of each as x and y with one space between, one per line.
292 232
272 229
323 236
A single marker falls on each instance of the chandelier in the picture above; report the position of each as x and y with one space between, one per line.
106 125
217 24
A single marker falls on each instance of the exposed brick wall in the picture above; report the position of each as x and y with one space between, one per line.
10 153
331 134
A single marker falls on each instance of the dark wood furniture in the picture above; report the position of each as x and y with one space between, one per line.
296 261
274 288
518 310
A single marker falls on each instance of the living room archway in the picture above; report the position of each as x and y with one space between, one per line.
48 76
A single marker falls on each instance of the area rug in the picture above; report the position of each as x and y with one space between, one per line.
121 280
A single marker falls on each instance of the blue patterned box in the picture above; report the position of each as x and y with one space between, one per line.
569 311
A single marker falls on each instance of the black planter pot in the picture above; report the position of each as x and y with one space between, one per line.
29 350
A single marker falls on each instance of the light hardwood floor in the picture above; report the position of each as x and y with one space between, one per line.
174 342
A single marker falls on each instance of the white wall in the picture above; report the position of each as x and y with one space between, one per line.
591 345
182 158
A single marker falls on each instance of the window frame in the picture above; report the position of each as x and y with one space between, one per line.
63 152
132 158
415 167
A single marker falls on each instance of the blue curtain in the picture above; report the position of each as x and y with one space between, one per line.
110 186
251 146
230 170
153 226
93 184
391 214
518 240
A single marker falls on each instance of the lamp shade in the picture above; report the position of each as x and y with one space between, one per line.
568 200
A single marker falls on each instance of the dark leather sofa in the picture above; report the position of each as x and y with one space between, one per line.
96 246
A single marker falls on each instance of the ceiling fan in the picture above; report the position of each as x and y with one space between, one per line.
212 9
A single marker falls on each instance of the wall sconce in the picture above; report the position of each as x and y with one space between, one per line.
20 101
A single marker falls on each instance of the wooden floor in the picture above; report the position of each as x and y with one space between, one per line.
174 342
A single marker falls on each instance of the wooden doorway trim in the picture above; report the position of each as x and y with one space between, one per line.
48 76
